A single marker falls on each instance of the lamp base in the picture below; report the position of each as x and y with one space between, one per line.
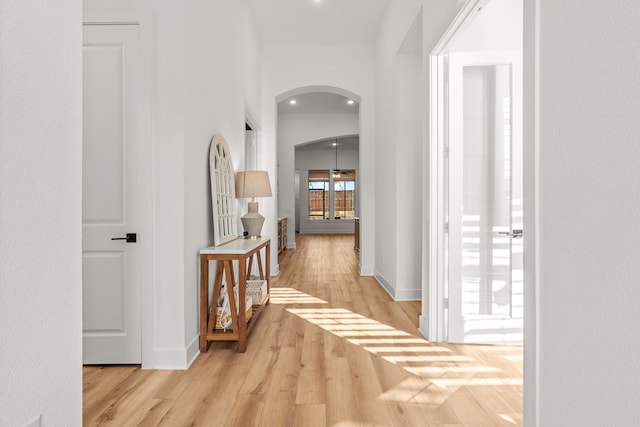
252 221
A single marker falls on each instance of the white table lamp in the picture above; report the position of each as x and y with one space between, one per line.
252 184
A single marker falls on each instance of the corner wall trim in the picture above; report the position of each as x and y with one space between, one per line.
386 285
423 327
193 350
409 294
170 359
366 270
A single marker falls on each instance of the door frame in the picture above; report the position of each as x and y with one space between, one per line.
531 76
438 82
147 30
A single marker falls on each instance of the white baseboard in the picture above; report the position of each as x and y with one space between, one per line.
193 350
398 294
386 285
175 359
322 230
366 270
423 327
409 295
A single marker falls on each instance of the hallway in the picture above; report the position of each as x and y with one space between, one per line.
331 349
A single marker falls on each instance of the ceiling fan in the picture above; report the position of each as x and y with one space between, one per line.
337 173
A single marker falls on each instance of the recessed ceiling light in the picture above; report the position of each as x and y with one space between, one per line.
350 102
334 143
292 101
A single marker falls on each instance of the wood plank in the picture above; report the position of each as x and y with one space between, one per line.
103 391
366 386
311 382
469 411
100 384
341 397
331 349
311 386
132 404
201 391
246 411
310 415
279 409
149 413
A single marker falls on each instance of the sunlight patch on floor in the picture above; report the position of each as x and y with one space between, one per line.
508 418
436 372
416 390
401 349
292 296
448 382
348 423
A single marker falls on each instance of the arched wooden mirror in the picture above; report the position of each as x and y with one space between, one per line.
223 192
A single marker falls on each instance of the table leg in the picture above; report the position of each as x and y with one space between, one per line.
204 301
250 267
267 266
242 313
260 265
217 288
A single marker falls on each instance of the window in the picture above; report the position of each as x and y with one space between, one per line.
318 194
344 192
341 201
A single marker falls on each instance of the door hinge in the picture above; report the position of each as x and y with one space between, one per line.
446 227
445 152
445 303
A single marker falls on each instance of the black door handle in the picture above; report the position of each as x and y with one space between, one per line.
131 238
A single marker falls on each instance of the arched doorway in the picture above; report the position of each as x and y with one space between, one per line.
304 115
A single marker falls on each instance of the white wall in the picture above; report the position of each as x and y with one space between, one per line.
588 213
40 213
397 22
296 129
497 27
205 72
222 60
408 192
323 159
402 128
345 70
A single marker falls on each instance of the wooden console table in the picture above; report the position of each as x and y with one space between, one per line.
241 251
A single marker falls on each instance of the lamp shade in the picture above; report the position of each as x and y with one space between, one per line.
253 184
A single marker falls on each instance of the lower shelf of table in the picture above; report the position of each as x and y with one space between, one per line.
232 334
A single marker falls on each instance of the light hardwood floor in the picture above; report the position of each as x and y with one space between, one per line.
332 349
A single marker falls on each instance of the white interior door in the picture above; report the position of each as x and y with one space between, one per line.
485 212
115 193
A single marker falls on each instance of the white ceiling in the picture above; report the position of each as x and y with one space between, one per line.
344 143
318 103
317 22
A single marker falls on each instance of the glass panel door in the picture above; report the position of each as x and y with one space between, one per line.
485 198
